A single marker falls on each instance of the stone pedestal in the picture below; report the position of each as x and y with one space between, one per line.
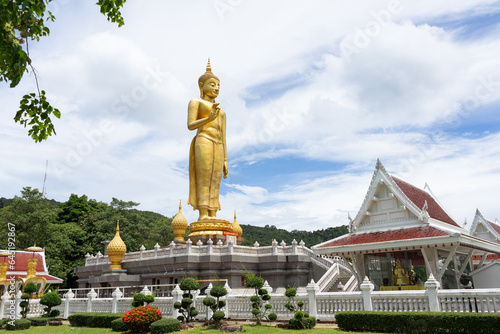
215 229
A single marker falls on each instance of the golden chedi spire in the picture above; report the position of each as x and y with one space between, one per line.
179 224
32 262
4 265
116 250
236 227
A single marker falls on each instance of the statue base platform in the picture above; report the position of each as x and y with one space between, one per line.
215 229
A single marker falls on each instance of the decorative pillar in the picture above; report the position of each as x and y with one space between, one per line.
91 296
142 249
312 289
69 295
227 308
367 288
267 287
17 298
294 247
145 291
188 246
117 294
5 300
210 245
275 247
176 297
157 249
230 247
431 287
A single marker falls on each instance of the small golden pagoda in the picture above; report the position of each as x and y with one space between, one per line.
40 282
179 225
116 250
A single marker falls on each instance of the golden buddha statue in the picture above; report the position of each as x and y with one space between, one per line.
208 154
399 275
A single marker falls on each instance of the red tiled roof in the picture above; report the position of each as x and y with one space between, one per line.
496 227
394 235
419 196
21 261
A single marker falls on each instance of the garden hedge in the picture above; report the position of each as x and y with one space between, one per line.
18 325
117 325
93 319
419 322
165 325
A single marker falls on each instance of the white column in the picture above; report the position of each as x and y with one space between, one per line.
117 294
18 300
275 246
431 287
226 308
367 288
312 289
209 311
176 297
91 296
188 246
5 300
294 247
69 295
210 245
145 291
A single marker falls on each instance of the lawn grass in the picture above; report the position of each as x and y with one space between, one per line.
247 329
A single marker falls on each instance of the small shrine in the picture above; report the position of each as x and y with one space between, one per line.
24 266
401 235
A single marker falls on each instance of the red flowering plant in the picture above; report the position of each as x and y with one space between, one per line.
139 319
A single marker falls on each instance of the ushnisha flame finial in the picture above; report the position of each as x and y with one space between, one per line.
209 68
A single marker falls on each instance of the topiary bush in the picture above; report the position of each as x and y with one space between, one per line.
93 319
142 300
300 319
18 325
188 312
419 322
139 319
216 305
50 300
165 326
259 301
28 290
39 321
118 325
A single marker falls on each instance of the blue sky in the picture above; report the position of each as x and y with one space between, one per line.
314 93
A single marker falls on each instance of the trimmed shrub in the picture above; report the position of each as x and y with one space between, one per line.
142 300
259 304
418 322
118 325
91 319
187 311
303 321
216 305
50 300
39 321
18 325
166 325
139 319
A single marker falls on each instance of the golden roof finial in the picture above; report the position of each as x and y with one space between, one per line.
116 249
179 224
236 227
209 68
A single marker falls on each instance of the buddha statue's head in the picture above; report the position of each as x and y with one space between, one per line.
208 78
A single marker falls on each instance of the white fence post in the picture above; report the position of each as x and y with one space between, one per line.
5 300
145 291
176 297
431 287
312 289
18 300
69 295
367 288
226 308
90 296
117 294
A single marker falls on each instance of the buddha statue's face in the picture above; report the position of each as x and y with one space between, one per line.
211 88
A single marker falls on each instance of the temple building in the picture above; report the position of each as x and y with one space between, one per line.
401 235
216 255
24 266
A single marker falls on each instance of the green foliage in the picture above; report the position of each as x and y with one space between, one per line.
188 312
139 319
18 325
71 229
118 325
22 21
139 300
35 111
93 319
165 325
216 304
419 322
50 300
300 319
39 321
265 235
259 300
